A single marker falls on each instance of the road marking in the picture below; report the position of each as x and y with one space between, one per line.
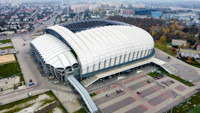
106 88
139 95
129 89
124 91
156 89
177 89
150 103
144 106
133 98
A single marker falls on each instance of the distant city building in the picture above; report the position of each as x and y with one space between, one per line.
189 53
138 5
181 16
94 7
127 12
177 42
77 8
156 14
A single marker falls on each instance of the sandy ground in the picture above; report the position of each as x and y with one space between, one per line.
10 82
7 58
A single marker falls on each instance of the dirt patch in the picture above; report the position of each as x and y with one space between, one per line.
7 83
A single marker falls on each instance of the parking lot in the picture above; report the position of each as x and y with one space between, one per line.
141 94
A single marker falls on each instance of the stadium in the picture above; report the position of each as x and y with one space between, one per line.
87 51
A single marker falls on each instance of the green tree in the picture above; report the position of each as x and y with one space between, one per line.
162 39
153 33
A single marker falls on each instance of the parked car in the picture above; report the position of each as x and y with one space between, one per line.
15 87
31 84
56 82
162 82
138 92
172 81
118 91
148 81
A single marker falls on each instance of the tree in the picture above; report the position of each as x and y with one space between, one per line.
153 33
188 45
174 21
182 45
172 27
164 31
189 60
179 46
162 39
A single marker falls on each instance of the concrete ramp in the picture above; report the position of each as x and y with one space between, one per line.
84 94
165 66
90 80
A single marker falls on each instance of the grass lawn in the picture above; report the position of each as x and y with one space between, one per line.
196 65
93 94
7 70
5 41
188 105
177 78
80 111
193 63
196 109
163 47
154 74
8 47
49 93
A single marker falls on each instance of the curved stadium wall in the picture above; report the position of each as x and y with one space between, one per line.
97 45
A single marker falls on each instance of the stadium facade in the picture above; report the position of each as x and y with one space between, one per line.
86 47
81 50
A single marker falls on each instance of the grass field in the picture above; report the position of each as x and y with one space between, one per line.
164 48
5 41
194 63
188 106
4 59
24 103
8 47
177 78
196 109
10 69
154 74
7 70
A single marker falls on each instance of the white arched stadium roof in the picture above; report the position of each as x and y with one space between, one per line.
100 44
53 51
